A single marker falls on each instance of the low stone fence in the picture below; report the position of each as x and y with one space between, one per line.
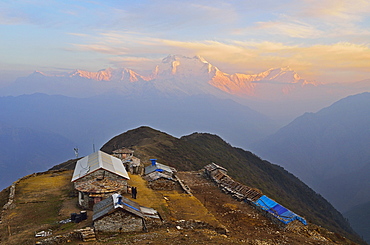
246 194
234 188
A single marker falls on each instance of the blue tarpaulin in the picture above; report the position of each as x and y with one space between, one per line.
281 213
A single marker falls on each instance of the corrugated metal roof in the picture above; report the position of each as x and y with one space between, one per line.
157 167
99 160
149 212
157 175
102 208
110 205
213 166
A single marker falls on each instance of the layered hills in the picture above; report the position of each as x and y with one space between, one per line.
329 150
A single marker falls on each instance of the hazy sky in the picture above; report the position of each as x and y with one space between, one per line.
323 40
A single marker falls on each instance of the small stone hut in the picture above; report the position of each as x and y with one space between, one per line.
158 167
160 176
120 214
98 176
212 169
123 153
160 181
131 163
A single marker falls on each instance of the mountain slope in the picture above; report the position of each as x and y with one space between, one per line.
359 217
321 147
196 150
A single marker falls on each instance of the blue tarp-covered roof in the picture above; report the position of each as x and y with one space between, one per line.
158 167
281 213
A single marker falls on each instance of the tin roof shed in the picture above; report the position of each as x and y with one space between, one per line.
118 202
156 166
99 160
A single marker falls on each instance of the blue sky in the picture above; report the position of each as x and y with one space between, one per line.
323 40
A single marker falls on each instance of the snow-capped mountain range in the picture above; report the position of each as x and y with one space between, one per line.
176 73
278 92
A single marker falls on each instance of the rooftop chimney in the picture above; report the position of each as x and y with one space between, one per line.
153 161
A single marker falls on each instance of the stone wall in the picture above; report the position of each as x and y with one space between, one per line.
163 184
118 184
119 221
100 174
152 223
241 193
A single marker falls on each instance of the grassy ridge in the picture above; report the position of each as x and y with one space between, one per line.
37 205
196 150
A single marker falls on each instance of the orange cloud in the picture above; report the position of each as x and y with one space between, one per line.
311 61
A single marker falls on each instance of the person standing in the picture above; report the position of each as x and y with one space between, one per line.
133 192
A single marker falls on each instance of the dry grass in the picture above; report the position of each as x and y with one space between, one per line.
145 196
183 206
173 205
40 187
38 200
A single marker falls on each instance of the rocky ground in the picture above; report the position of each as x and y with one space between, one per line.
247 224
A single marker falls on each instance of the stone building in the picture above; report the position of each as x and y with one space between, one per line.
158 167
160 181
123 153
131 163
119 214
160 176
98 176
212 169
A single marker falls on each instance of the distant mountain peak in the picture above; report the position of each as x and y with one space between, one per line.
177 57
38 73
179 66
109 74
